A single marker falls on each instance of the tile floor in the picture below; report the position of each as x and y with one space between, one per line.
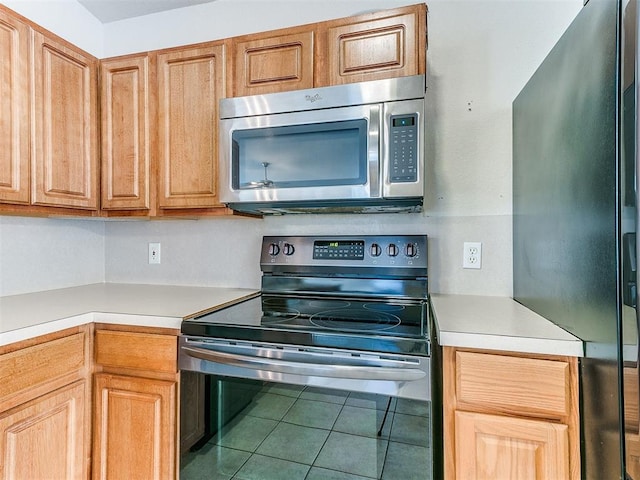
301 433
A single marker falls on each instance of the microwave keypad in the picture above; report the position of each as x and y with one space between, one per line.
403 148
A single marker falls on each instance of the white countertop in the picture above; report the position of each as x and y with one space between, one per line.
29 315
498 323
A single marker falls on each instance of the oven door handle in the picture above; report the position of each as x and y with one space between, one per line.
334 370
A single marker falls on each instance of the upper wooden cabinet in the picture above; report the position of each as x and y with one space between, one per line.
159 132
373 46
158 141
126 112
49 131
190 84
14 110
65 133
510 416
267 62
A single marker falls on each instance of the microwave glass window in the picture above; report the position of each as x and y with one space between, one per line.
312 155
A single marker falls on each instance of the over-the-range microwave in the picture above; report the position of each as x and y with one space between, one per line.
349 148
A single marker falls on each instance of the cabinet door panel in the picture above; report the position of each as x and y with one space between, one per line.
515 385
192 409
190 84
56 361
134 428
494 448
125 133
273 64
14 111
65 135
45 438
632 453
115 349
371 48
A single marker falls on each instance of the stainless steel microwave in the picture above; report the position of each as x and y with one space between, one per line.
347 148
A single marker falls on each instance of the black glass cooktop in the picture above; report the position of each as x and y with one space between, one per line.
364 324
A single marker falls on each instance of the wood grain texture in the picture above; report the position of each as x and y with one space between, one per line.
14 110
146 352
631 387
632 454
45 438
498 385
192 409
190 84
521 386
492 447
387 44
65 125
40 368
272 62
126 133
134 428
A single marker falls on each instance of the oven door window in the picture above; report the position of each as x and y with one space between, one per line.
310 155
262 430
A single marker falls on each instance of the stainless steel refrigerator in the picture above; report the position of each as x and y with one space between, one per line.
575 157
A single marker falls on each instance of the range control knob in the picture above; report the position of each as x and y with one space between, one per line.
411 250
392 250
288 249
375 250
274 249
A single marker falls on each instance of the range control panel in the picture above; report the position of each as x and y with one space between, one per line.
381 251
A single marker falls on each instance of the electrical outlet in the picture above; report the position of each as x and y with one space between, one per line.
154 253
472 255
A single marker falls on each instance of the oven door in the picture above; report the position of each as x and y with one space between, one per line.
327 154
279 411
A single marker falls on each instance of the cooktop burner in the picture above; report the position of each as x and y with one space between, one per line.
318 321
351 320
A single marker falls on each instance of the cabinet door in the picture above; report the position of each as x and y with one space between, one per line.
190 84
192 409
632 454
45 438
494 448
134 428
14 110
126 153
268 63
65 155
372 47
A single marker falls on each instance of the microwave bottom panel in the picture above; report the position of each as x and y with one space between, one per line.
396 205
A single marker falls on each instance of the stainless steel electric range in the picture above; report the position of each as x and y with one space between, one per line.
347 315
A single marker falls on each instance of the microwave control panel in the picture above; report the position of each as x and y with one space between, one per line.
403 148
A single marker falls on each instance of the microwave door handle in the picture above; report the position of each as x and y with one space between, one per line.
335 370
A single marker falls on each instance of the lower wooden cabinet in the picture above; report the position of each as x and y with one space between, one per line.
135 403
507 447
192 410
631 421
134 427
44 407
45 437
510 416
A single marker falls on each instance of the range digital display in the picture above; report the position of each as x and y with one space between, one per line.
338 250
